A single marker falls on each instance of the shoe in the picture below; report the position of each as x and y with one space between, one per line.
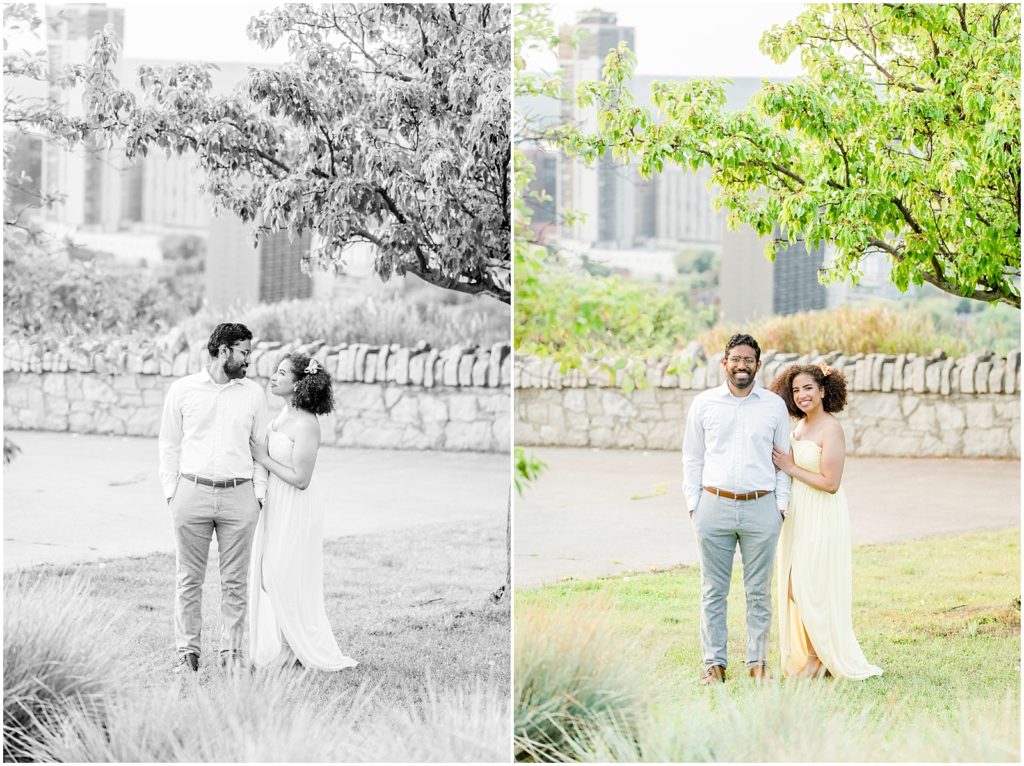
188 662
713 674
760 672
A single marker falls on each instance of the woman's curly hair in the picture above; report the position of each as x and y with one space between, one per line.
313 390
831 380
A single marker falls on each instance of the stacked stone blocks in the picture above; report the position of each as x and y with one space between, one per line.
386 396
898 405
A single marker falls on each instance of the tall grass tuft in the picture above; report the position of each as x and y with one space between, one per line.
453 725
796 721
263 716
853 329
572 670
58 656
363 319
277 716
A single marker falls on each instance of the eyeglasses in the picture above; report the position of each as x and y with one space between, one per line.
245 352
747 360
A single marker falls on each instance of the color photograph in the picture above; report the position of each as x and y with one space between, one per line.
767 382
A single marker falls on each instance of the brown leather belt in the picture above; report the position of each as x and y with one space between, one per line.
739 495
218 483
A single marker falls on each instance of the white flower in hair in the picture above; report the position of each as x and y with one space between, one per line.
313 367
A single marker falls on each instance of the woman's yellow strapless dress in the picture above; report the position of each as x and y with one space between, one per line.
814 548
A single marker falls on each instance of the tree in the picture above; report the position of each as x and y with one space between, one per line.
902 137
388 125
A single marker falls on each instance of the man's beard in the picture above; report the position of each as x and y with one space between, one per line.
749 381
234 371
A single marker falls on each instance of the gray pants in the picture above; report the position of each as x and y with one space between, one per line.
720 524
198 510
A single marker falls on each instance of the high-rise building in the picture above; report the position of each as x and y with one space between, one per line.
25 162
236 272
621 209
90 176
606 188
751 286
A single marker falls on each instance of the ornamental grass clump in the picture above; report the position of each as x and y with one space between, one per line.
466 724
264 716
799 722
282 715
353 318
58 657
853 329
573 670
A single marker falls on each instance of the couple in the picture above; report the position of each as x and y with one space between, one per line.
224 468
737 475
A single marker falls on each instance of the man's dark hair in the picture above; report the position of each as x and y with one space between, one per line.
227 334
742 339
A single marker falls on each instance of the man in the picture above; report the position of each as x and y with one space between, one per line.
212 484
736 496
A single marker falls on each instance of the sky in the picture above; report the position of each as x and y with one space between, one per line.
706 39
682 38
213 31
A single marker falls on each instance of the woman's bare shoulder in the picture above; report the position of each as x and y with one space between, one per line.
308 424
832 428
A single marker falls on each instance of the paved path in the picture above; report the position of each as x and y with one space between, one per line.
603 512
70 497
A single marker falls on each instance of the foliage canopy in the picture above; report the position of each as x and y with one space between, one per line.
388 125
902 137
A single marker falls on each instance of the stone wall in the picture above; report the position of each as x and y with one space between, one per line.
898 404
385 396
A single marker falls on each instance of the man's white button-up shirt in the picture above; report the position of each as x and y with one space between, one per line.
206 428
728 443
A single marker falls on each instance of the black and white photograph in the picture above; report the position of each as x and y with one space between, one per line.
257 382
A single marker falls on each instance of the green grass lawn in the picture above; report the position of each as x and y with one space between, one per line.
940 616
412 606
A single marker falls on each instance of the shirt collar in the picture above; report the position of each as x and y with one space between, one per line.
756 390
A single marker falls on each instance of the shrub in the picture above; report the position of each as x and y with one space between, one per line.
565 316
55 294
57 657
572 673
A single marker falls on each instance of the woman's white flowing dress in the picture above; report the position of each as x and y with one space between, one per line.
286 584
814 546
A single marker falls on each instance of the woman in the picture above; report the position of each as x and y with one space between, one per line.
287 619
814 555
